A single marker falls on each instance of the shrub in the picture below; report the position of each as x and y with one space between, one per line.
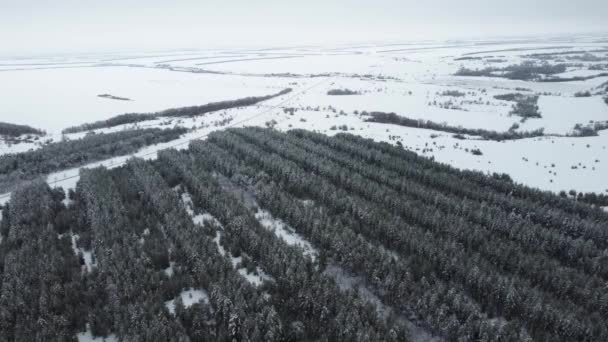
338 92
453 93
582 94
526 107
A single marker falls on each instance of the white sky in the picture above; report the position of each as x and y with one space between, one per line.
44 26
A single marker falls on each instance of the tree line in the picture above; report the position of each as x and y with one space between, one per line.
392 118
525 71
461 255
190 111
18 167
13 130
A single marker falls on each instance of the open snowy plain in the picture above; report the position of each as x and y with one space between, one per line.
414 80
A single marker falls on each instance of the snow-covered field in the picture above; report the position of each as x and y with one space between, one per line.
409 79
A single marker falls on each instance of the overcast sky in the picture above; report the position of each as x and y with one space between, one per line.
41 26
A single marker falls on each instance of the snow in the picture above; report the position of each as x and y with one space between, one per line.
157 81
86 255
285 232
87 336
561 114
169 270
76 102
220 248
346 281
67 201
189 297
579 73
256 278
187 200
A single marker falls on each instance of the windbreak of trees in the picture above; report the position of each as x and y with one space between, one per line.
573 78
415 222
118 120
513 97
41 292
590 130
392 118
309 301
461 255
525 71
19 167
12 130
191 111
589 197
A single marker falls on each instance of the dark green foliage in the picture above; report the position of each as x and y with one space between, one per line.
341 194
174 112
352 197
41 296
12 130
19 167
462 255
395 119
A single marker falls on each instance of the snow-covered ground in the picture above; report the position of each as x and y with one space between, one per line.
189 297
410 79
285 232
87 256
54 99
87 336
255 278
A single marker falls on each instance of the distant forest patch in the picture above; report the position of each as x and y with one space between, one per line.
526 71
590 130
453 93
12 130
174 112
112 97
339 92
392 118
525 106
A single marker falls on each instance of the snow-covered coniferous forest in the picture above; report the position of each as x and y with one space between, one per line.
384 190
